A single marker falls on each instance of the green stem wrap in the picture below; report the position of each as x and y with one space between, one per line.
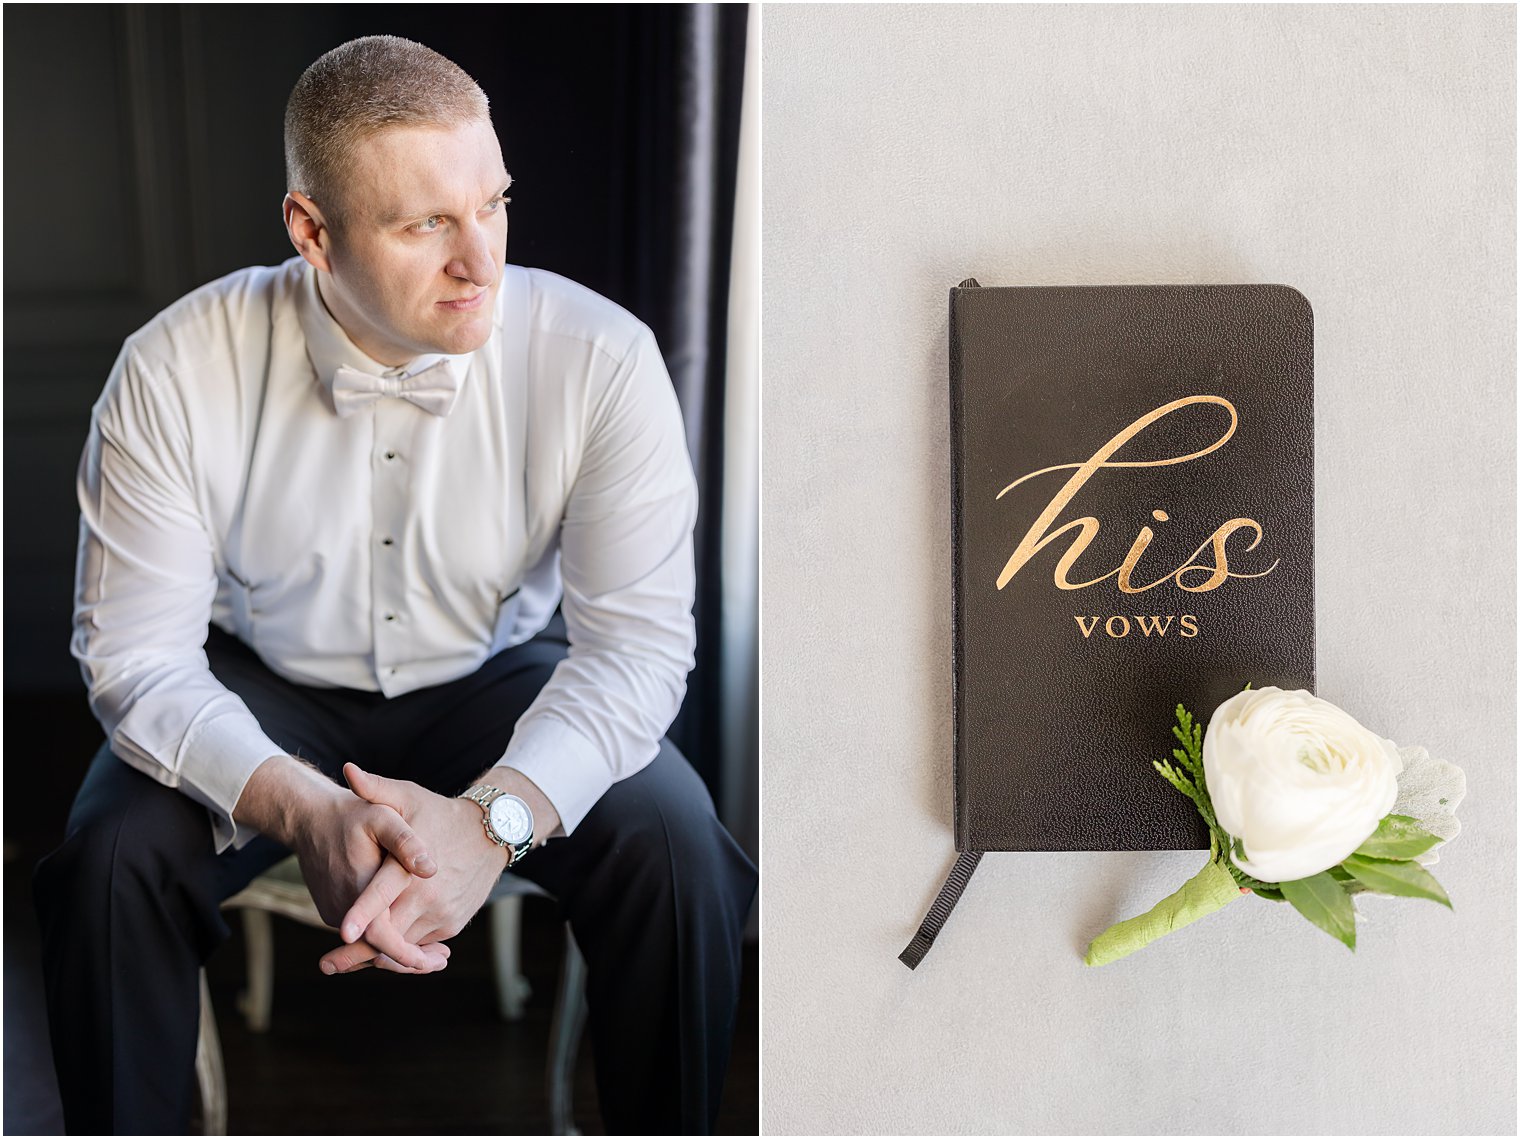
1212 888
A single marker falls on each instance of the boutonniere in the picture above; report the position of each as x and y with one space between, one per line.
1304 806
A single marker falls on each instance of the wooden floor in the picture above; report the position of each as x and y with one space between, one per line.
370 1054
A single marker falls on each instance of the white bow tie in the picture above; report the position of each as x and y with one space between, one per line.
433 389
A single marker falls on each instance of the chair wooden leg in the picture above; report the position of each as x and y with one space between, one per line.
512 988
565 1037
209 1073
258 944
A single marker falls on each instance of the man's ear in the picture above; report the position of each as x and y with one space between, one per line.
308 230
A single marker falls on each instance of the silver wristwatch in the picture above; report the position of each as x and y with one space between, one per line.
508 820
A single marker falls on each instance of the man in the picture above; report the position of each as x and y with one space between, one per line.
374 471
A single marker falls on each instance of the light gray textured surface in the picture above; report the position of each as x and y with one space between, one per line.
1365 156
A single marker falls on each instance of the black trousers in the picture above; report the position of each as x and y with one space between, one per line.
654 888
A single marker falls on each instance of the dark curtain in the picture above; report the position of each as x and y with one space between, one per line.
694 108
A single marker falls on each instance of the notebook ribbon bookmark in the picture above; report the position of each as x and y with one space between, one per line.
934 920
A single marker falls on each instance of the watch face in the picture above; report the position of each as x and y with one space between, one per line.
511 819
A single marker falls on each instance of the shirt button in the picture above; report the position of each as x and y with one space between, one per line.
387 541
390 616
389 455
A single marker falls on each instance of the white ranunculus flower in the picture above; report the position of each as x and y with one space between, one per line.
1298 781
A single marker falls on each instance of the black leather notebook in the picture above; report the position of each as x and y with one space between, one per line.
1133 516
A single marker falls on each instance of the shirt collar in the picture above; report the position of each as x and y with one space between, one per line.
329 348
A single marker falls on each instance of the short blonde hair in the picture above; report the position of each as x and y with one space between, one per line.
361 87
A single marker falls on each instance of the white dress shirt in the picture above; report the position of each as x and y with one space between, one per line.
388 550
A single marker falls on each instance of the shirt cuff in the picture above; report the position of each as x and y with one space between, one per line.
563 764
220 756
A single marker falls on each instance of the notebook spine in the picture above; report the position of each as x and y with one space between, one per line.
957 475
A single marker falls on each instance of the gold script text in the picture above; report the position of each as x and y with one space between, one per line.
1214 572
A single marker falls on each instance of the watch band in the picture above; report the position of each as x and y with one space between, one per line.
483 794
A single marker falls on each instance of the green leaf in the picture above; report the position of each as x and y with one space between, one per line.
1406 879
1398 837
1348 883
1322 901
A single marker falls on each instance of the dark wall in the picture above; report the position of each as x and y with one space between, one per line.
144 157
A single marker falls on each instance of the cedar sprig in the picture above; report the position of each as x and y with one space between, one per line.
1188 777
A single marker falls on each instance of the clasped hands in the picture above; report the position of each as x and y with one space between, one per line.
430 869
